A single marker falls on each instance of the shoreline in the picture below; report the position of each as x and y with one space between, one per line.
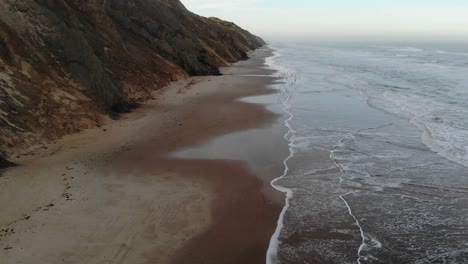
98 187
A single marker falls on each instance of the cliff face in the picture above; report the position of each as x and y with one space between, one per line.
65 63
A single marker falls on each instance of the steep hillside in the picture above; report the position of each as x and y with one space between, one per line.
66 63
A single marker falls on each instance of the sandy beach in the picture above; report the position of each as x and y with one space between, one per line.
115 194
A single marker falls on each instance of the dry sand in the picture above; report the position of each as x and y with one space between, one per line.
113 195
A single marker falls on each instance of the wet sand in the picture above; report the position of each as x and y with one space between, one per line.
116 195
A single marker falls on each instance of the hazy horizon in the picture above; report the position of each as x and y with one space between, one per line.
418 20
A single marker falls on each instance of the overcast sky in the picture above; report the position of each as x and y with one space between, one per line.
271 19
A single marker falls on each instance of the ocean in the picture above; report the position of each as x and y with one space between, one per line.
378 164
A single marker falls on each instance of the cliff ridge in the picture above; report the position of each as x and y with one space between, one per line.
65 64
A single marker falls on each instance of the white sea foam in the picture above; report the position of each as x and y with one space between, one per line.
272 253
342 197
409 49
443 124
367 241
405 87
443 133
270 63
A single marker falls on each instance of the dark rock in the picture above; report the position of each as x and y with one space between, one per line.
6 164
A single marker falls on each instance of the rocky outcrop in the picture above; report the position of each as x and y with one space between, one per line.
5 164
66 63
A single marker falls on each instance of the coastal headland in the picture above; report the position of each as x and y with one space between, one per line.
114 194
97 97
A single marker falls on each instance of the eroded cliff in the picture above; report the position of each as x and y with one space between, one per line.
66 63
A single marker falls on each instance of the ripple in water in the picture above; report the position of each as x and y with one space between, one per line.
378 153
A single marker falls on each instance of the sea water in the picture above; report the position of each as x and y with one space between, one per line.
378 164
